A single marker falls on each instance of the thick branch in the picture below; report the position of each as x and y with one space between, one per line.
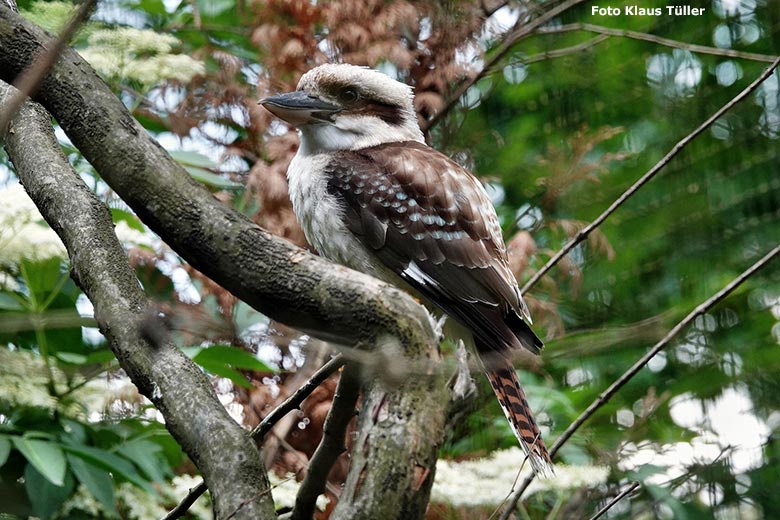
607 394
219 447
410 420
682 143
332 444
275 277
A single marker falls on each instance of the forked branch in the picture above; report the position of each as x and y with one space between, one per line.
293 402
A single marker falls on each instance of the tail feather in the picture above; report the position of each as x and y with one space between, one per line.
510 396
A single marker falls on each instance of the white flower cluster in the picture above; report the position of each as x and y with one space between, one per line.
49 15
23 232
24 380
488 481
284 491
132 237
135 41
101 396
139 55
82 500
136 504
139 505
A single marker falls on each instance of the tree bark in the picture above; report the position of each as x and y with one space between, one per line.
401 428
220 448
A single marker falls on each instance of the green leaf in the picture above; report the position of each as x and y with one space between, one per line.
5 449
187 158
45 456
42 276
132 221
71 358
212 8
111 463
234 357
76 432
223 361
96 480
199 166
46 498
8 302
100 356
222 370
144 455
212 179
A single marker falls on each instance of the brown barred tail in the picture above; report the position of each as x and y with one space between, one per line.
510 396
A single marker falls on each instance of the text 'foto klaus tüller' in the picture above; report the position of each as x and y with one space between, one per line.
633 10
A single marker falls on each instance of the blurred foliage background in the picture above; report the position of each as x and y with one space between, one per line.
564 122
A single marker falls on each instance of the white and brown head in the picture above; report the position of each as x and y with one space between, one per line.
346 107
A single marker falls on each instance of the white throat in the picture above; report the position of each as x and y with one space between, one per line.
353 132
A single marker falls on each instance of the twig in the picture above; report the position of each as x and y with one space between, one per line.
517 33
607 394
268 422
565 51
28 81
636 35
587 230
615 500
296 398
186 503
332 445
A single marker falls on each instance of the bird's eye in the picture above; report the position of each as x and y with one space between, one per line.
349 95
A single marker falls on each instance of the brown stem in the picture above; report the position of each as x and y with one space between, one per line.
615 500
332 445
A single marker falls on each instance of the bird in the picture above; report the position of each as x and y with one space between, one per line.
371 195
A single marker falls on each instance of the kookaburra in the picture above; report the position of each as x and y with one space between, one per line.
371 195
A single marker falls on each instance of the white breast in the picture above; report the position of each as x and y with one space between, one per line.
320 215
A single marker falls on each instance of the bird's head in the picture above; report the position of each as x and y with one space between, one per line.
346 107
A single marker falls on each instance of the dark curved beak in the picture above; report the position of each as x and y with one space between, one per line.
299 108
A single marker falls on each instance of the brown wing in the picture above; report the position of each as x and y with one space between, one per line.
431 222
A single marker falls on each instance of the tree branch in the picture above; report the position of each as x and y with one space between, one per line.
564 51
410 418
29 80
296 399
219 447
636 35
332 444
615 500
587 230
607 394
